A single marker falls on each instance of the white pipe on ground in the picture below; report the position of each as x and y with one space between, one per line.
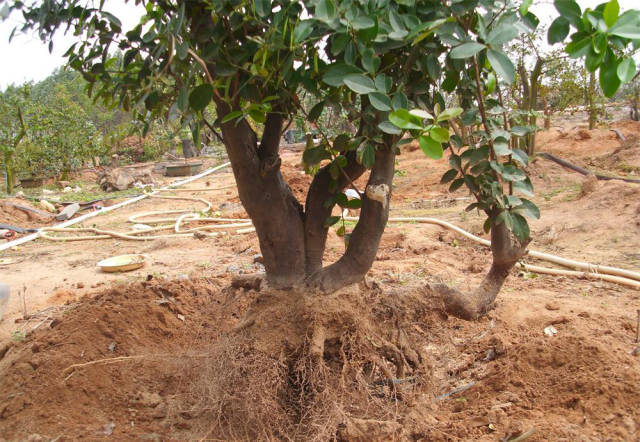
73 221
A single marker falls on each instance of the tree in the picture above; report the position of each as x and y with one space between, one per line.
373 60
12 131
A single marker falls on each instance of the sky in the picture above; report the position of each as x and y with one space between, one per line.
26 58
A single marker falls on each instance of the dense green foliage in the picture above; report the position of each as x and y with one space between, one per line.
391 67
65 130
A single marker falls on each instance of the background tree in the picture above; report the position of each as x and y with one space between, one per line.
12 131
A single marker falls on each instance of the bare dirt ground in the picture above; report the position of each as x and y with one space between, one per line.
159 322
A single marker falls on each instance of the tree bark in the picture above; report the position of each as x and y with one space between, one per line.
274 210
506 252
316 213
593 111
365 239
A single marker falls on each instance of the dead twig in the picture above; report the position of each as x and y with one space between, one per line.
115 360
523 436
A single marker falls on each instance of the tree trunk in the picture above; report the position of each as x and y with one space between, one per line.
187 149
365 239
635 116
275 212
506 252
292 240
533 104
593 112
316 212
8 175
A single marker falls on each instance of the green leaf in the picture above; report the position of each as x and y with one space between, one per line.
520 227
520 156
388 128
512 173
521 131
263 7
430 147
359 83
501 147
183 99
627 26
341 144
578 48
524 7
502 65
303 30
449 175
469 117
466 50
610 13
325 10
316 111
609 80
449 113
399 101
258 115
380 101
231 116
504 217
404 120
383 83
421 113
528 209
524 187
362 22
354 203
331 221
501 34
570 10
626 70
370 61
366 155
440 134
456 184
491 83
337 72
314 155
201 96
558 30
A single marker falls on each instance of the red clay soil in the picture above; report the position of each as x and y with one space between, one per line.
151 341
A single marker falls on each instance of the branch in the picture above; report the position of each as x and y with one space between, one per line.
202 63
213 129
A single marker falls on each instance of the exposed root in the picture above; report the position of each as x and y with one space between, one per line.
248 282
312 368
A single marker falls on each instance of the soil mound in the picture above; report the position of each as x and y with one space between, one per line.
198 359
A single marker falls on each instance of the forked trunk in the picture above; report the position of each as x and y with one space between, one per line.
292 239
275 212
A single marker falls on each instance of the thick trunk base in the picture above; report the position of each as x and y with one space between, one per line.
296 364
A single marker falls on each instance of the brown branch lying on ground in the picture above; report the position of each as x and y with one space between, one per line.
583 171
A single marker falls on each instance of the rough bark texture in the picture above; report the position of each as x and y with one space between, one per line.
365 238
292 240
316 213
506 252
267 198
